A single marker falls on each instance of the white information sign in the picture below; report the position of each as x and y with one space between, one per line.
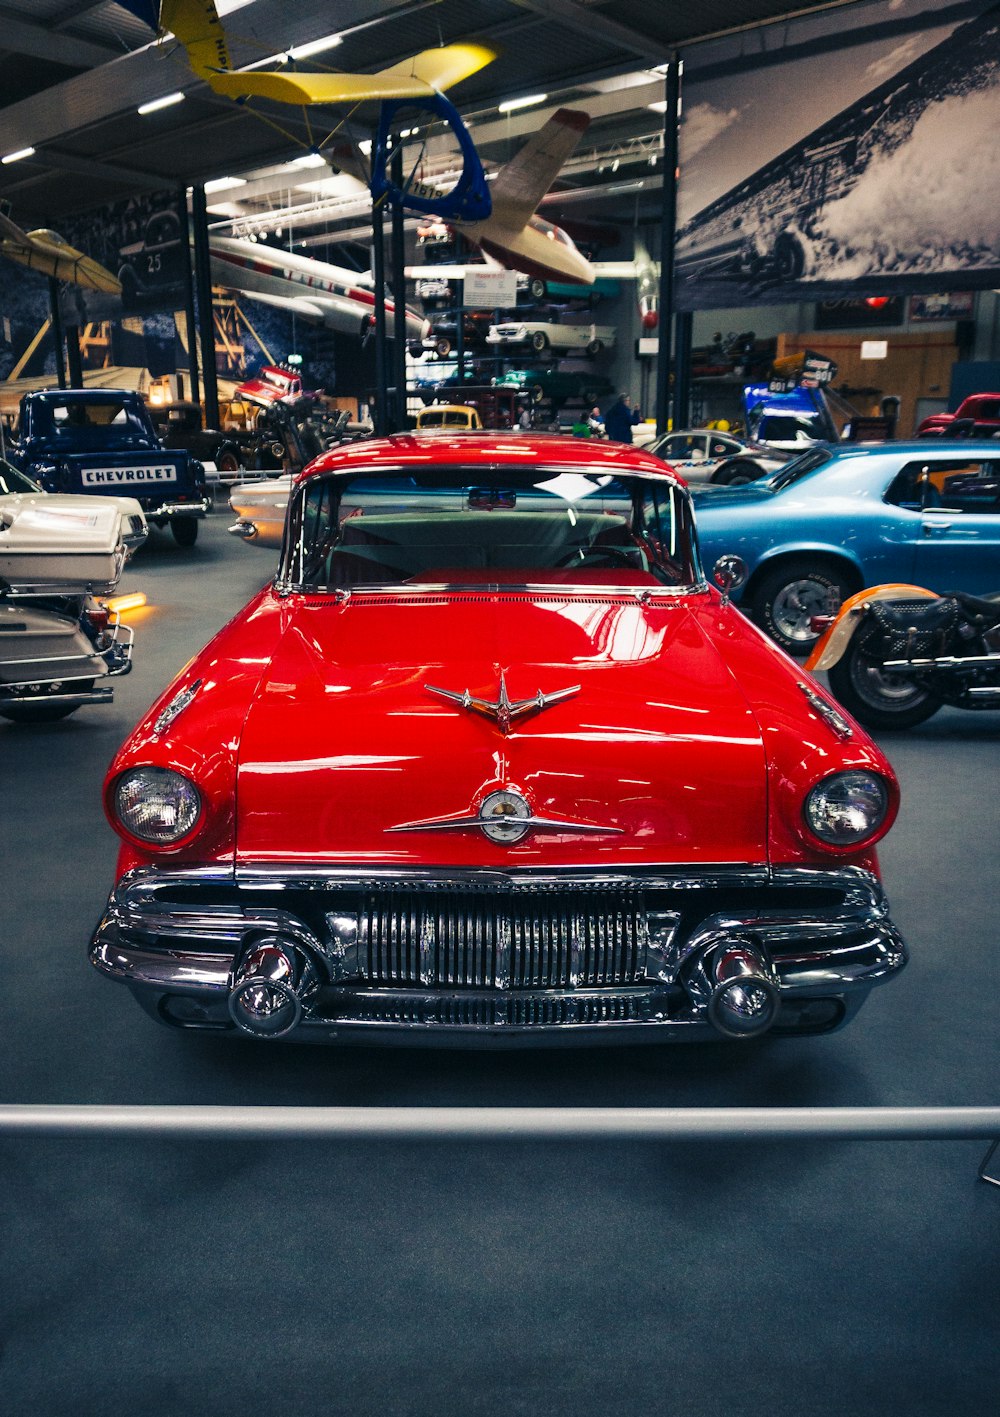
490 289
874 349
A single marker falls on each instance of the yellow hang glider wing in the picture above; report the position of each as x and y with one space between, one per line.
425 74
197 25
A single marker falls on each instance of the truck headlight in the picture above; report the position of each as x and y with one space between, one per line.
156 805
847 807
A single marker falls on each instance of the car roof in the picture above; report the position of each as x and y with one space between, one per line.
95 395
488 448
921 447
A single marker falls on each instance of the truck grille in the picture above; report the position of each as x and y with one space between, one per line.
502 940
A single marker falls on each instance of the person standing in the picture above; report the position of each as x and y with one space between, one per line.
620 419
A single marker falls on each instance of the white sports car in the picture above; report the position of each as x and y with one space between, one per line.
546 334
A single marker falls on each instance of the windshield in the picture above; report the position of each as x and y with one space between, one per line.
481 527
799 467
13 481
104 424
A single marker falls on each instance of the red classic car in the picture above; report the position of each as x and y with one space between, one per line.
490 761
977 416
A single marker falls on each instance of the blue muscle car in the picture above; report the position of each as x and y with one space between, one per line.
833 521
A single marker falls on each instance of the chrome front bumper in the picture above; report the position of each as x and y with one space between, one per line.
201 508
487 958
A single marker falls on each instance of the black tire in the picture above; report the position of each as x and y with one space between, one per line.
227 461
594 347
443 346
875 699
785 598
38 713
539 340
736 473
538 289
789 257
185 530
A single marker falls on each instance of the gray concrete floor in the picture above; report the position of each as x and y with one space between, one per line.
419 1278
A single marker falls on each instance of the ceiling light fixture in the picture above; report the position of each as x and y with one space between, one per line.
307 160
298 51
16 157
166 101
219 184
510 104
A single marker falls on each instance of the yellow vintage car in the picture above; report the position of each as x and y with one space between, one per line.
457 417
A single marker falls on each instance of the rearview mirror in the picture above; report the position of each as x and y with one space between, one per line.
729 573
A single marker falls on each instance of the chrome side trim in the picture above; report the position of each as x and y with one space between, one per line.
831 716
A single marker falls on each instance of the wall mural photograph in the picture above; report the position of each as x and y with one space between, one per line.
830 167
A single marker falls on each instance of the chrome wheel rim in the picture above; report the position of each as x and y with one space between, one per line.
796 604
880 690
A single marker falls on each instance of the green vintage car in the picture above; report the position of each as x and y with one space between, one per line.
558 385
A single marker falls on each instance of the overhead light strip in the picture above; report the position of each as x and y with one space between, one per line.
18 156
509 105
167 101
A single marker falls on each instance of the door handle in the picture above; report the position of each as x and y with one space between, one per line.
929 528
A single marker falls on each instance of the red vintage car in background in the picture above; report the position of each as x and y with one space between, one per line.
977 416
489 761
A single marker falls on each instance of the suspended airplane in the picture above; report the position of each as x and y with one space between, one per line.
514 234
415 83
47 252
315 290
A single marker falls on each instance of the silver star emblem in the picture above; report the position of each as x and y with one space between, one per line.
504 710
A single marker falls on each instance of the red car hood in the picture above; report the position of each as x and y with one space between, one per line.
346 740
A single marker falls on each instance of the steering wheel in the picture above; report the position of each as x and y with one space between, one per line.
603 556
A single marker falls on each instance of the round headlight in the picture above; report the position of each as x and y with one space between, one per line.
847 808
157 805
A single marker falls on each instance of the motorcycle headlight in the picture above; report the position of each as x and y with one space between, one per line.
157 805
847 807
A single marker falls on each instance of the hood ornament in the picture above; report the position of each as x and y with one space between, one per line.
505 817
504 711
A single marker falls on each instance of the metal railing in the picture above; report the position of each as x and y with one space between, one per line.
507 1123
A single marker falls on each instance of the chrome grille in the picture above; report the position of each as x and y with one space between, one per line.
502 940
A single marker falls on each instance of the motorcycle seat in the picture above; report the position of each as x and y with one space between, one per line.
988 607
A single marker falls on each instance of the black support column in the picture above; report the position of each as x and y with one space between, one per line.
682 368
192 337
206 322
668 222
398 296
57 330
381 419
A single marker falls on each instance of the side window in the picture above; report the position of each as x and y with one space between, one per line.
958 485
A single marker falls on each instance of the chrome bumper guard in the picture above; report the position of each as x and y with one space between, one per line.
201 508
291 952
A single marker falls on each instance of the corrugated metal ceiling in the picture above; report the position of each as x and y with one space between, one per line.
72 73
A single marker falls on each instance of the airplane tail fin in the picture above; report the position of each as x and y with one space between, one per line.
524 181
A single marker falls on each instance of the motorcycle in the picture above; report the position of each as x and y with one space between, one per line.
896 654
59 645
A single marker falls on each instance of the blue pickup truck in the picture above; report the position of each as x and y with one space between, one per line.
103 441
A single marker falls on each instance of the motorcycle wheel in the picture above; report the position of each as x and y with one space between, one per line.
876 699
37 713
